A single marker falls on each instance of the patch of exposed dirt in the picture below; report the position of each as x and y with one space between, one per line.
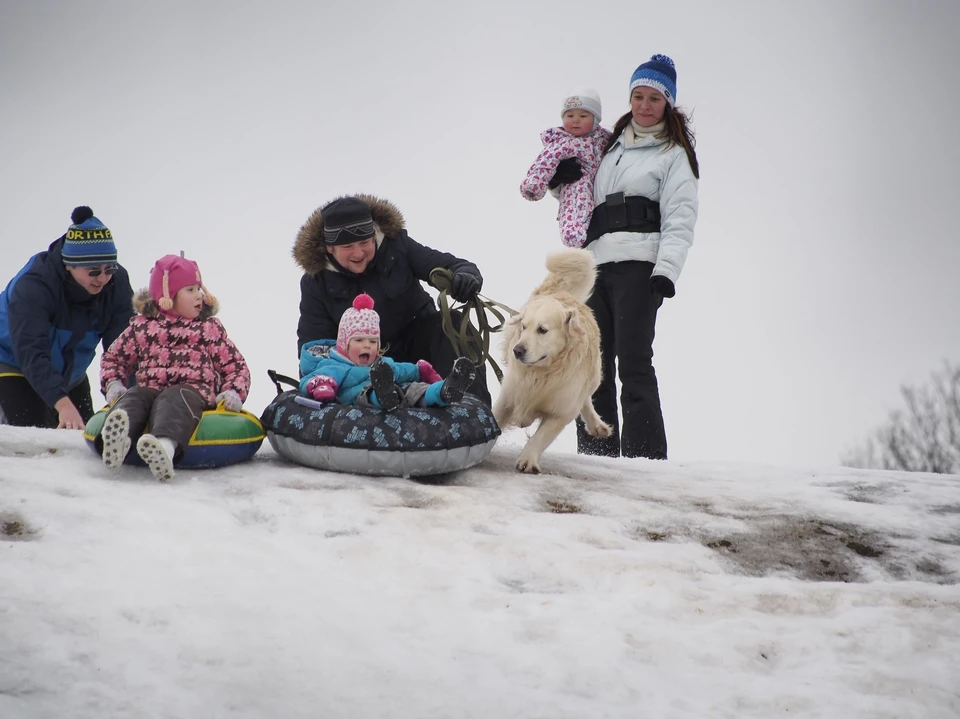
809 548
26 450
655 536
14 527
560 505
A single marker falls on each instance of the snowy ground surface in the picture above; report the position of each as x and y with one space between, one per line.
605 588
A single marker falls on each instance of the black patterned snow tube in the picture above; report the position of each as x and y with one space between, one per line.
411 442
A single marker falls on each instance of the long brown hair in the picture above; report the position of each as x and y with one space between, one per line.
676 131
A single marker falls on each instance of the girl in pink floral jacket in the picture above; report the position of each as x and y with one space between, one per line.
581 137
183 363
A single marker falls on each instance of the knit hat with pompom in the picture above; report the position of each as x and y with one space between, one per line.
358 321
88 243
659 73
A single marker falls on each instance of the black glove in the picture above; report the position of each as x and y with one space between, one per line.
465 286
660 285
567 171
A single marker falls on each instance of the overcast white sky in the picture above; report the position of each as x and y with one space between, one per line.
824 272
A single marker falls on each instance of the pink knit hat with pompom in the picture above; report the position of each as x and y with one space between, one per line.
358 321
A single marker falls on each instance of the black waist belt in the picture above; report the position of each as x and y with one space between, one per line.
623 214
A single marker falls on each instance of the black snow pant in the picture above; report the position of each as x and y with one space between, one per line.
23 407
173 413
424 339
626 312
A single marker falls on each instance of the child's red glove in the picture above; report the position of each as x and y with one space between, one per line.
322 388
427 373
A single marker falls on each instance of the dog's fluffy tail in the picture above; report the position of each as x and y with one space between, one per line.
572 271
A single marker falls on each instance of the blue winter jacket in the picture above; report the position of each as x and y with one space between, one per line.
348 378
50 325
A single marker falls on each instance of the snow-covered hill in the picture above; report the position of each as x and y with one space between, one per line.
606 588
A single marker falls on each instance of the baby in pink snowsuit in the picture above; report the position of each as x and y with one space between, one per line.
581 137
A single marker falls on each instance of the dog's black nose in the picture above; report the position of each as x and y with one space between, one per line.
519 351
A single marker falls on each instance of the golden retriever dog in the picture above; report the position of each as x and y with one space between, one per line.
551 350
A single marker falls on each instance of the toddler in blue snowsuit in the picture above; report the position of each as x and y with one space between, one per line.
350 370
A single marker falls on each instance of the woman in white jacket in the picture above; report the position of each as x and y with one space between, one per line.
640 231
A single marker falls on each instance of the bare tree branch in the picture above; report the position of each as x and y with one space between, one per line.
922 437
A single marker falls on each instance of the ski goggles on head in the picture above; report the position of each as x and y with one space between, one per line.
97 271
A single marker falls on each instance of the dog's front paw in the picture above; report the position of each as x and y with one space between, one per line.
528 465
601 429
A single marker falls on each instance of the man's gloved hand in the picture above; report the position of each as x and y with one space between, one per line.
115 389
567 171
660 285
427 372
322 388
465 286
231 400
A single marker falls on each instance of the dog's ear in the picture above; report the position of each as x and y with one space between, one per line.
512 328
511 331
574 323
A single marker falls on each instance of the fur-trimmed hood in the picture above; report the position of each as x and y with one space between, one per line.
145 305
309 250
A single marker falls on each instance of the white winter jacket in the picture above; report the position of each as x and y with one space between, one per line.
660 173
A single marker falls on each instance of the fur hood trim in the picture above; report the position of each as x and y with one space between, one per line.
309 251
144 304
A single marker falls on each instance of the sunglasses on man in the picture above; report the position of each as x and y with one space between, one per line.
96 272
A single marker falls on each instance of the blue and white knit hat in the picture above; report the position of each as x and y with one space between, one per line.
585 98
660 74
88 243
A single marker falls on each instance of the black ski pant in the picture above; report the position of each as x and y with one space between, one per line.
424 339
173 413
626 312
23 407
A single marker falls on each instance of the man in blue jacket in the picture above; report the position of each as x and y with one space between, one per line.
52 315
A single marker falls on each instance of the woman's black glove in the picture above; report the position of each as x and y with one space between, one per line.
567 171
660 285
465 286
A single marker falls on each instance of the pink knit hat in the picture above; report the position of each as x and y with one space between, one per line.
171 274
358 321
